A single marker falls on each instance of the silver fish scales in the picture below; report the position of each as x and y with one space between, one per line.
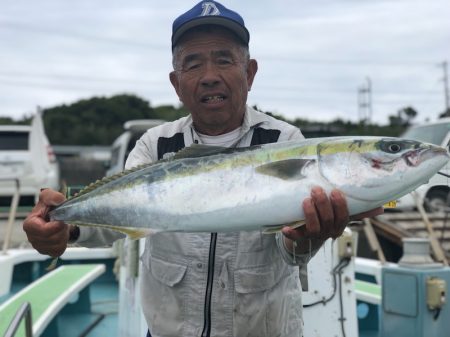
208 189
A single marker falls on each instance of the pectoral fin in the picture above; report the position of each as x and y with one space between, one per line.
277 228
132 233
289 169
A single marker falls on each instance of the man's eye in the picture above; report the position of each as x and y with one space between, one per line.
224 61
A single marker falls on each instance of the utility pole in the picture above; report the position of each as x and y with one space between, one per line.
365 102
445 79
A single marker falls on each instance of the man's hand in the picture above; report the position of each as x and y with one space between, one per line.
325 217
47 237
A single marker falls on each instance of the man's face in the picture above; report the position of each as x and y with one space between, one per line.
212 77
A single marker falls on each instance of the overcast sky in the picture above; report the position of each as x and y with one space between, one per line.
313 55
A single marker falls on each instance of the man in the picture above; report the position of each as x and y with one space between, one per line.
209 284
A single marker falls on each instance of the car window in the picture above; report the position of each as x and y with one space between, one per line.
13 140
430 133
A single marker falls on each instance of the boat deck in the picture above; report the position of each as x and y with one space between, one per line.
102 317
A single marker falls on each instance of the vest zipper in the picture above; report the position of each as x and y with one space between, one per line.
209 285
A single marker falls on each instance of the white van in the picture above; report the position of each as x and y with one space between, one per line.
122 146
27 158
435 193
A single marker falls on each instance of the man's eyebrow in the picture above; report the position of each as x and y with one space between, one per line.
191 57
219 53
214 53
197 56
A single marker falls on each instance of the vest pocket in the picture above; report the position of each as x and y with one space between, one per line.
163 296
252 287
267 302
249 281
167 272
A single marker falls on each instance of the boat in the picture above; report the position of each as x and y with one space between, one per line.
78 298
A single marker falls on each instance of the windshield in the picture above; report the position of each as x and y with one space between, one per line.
13 140
434 134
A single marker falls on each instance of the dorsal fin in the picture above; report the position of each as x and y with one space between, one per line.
193 151
105 180
187 152
199 150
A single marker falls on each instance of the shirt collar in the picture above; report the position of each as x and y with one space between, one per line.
252 118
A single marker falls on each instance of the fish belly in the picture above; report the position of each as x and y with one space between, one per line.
226 200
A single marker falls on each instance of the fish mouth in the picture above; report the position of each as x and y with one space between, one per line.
416 157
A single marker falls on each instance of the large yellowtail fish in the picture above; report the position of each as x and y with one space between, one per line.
212 189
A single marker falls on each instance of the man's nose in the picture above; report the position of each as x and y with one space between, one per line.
211 75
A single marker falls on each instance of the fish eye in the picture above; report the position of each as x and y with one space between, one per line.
393 147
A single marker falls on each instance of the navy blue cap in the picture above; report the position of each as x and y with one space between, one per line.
209 13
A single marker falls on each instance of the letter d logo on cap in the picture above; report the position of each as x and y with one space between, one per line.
209 8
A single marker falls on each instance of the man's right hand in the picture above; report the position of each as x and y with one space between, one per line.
47 237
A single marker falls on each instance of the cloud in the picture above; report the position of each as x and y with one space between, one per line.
313 56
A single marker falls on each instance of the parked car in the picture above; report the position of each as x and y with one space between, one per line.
434 194
27 157
123 144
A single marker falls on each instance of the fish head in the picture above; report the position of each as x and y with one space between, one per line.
378 169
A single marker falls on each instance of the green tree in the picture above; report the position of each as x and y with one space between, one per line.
404 117
169 112
98 120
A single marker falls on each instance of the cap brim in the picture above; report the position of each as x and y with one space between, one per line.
241 32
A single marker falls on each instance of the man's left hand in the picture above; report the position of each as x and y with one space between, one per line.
325 217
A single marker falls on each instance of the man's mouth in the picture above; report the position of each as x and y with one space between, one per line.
213 99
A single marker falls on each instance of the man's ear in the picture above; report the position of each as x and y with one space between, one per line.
175 83
252 68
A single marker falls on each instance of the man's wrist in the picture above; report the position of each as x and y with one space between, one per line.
303 245
74 233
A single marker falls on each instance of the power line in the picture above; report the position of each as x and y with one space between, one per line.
35 29
318 95
56 31
348 62
11 77
347 99
308 88
40 85
68 77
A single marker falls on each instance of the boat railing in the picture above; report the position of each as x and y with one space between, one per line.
67 284
24 312
12 213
